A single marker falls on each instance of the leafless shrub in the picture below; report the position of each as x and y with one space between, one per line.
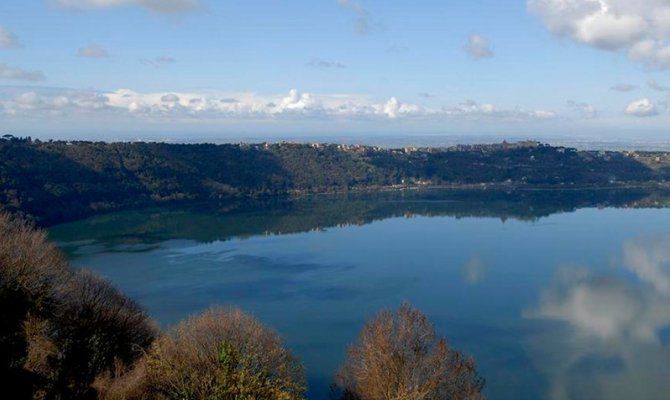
126 383
27 256
59 330
30 265
30 270
399 357
221 354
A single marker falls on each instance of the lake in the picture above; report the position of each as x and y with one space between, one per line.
557 294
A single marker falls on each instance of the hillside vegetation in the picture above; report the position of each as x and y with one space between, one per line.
57 181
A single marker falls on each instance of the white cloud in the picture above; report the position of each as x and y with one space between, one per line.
55 104
642 108
475 111
218 106
170 98
394 109
623 87
159 6
8 40
362 23
641 28
92 51
584 110
478 47
18 74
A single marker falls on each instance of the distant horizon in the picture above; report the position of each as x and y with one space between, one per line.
98 69
385 141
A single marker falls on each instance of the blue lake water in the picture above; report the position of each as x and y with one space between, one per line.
557 296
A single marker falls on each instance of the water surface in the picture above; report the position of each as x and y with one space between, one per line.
557 294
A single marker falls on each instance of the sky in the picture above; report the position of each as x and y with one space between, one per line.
101 69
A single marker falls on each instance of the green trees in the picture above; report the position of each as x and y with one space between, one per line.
60 181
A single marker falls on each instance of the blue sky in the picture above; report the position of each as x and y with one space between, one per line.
106 68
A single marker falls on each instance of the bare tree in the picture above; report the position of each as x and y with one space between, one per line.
59 329
30 270
94 330
222 354
399 357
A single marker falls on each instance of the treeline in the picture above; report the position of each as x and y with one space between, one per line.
68 334
57 181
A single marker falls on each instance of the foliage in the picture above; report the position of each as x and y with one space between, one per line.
60 181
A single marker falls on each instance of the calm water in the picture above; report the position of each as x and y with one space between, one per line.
558 295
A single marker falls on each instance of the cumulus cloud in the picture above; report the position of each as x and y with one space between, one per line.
62 103
641 28
170 98
623 87
92 51
18 74
214 106
362 24
159 6
583 110
473 110
642 108
478 47
320 63
8 40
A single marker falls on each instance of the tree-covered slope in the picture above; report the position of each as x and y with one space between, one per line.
58 181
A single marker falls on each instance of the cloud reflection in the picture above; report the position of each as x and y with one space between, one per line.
604 307
474 271
601 335
649 260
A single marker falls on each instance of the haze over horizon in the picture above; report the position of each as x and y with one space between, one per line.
580 70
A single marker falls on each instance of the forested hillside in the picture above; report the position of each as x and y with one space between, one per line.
57 181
